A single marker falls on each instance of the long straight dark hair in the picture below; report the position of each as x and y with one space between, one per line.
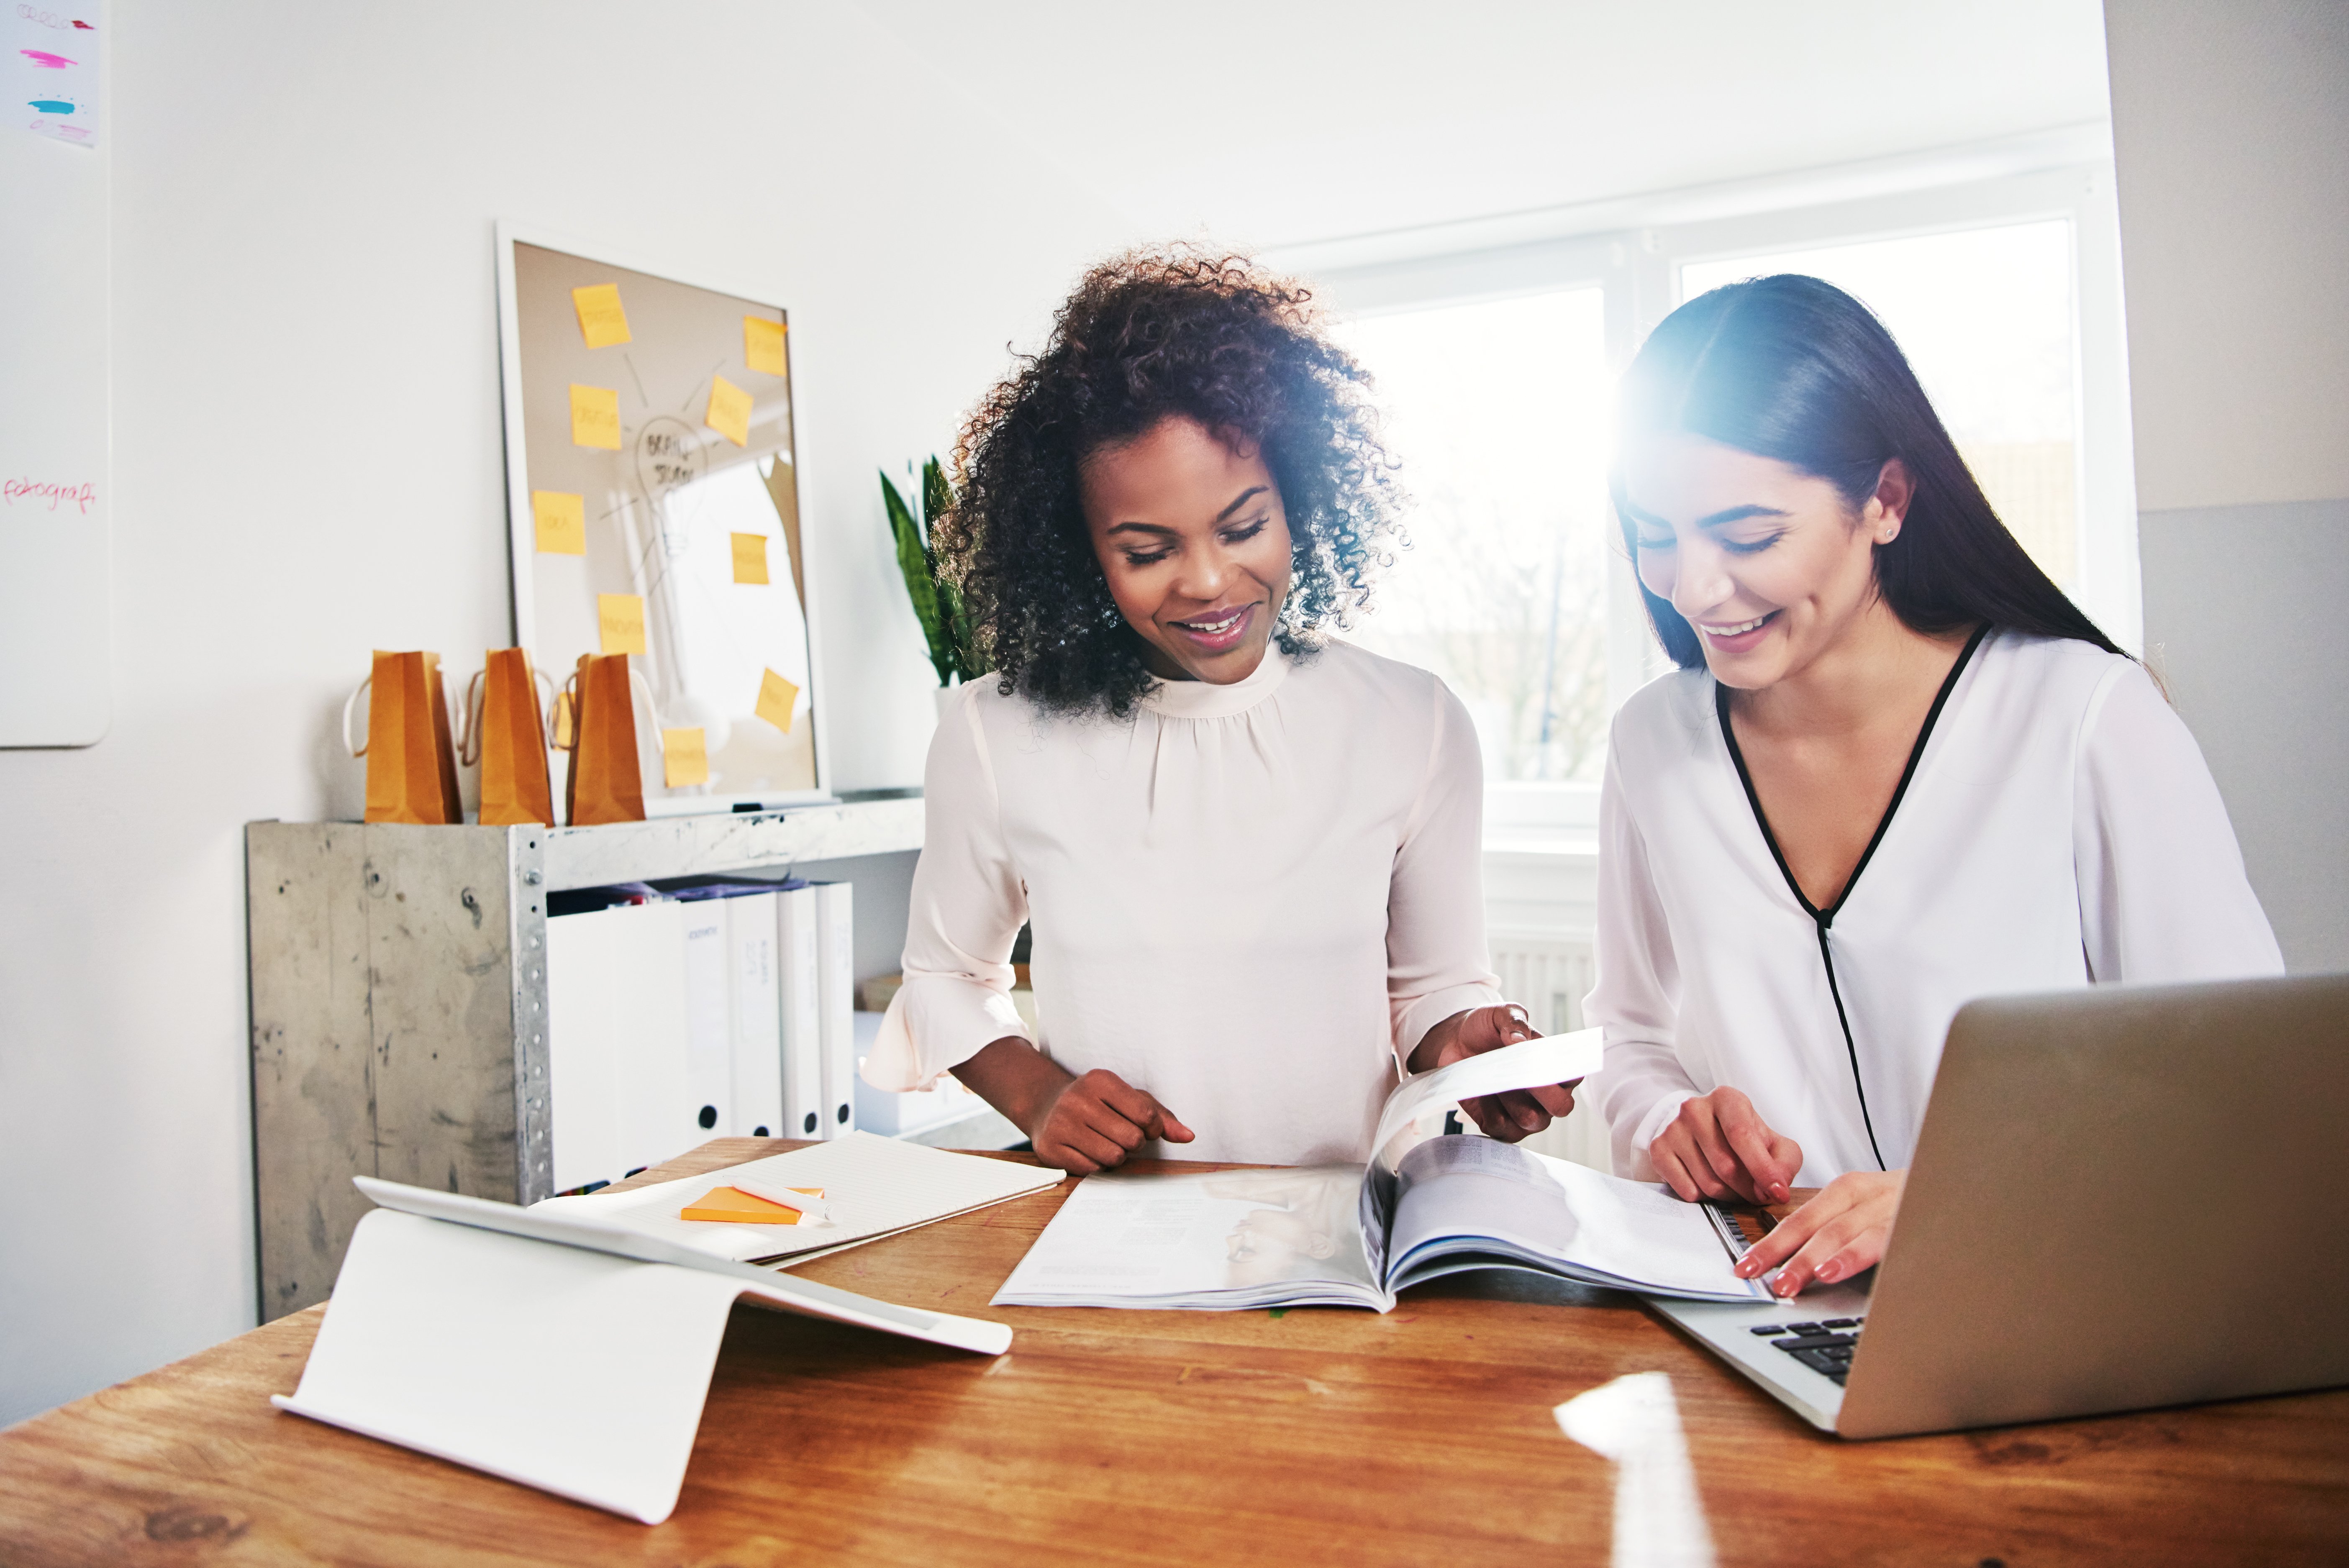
1795 369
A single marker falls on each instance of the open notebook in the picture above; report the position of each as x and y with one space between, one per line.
1351 1235
873 1187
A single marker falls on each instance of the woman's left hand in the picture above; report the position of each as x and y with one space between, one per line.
1833 1236
1520 1113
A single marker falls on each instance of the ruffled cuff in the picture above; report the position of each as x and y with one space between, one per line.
935 1022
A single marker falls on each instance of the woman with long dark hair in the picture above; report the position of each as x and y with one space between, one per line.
1247 850
1898 769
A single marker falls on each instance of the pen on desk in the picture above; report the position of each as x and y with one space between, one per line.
813 1210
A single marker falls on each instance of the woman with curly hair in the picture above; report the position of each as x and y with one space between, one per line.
1248 851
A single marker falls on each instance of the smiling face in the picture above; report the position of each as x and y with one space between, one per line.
1191 535
1770 565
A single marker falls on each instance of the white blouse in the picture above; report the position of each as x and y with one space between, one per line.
2060 829
1250 900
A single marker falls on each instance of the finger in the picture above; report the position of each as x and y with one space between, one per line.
1060 1157
1557 1098
1174 1132
1527 1112
1088 1142
1802 1270
1490 1115
1789 1156
1723 1160
1110 1123
1134 1105
1785 1239
1675 1172
1749 1137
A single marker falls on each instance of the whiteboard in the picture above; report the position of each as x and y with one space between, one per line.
55 445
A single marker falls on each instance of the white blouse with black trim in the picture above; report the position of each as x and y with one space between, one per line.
2058 827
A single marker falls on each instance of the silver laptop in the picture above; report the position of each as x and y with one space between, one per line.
2122 1197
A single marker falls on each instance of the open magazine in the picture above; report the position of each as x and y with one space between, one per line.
1351 1235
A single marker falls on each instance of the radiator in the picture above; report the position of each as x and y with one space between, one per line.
1547 974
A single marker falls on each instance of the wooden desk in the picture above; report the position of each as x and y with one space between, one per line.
1313 1436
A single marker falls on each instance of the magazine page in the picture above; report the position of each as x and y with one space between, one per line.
1466 1195
1216 1239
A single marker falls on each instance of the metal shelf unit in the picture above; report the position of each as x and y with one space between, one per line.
399 999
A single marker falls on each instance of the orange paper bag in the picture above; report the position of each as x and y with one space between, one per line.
505 731
411 773
605 783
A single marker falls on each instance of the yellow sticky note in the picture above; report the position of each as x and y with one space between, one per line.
749 558
729 411
776 697
602 322
684 758
763 347
620 622
561 522
594 417
732 1206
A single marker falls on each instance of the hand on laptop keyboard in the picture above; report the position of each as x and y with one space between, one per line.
1838 1234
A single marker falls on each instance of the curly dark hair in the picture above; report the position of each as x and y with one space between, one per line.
1149 334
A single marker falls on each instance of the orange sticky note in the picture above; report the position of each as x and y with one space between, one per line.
684 758
732 1206
620 623
749 558
561 522
763 347
594 417
776 697
602 322
729 411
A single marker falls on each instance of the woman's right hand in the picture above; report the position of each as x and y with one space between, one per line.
1096 1121
1719 1146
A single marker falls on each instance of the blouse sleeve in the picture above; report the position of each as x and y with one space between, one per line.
1636 998
1436 958
2163 897
967 907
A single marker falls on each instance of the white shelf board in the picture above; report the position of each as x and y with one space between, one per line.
719 842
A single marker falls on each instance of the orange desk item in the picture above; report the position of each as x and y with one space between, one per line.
732 1206
1139 1438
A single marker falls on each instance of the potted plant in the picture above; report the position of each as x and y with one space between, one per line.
937 603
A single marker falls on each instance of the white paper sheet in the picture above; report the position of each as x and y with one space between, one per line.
873 1187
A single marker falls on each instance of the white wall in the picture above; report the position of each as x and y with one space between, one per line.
308 465
2230 133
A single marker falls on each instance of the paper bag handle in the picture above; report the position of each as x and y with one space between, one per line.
469 717
643 687
350 703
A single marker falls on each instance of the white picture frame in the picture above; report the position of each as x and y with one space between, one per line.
651 509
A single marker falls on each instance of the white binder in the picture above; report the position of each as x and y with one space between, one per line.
836 1004
758 1017
555 1351
709 1015
616 1041
803 1059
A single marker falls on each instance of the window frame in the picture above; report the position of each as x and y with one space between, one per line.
1637 265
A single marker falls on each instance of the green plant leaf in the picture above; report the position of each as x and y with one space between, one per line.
954 610
921 584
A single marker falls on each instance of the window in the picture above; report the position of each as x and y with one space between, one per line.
1498 412
1498 365
1985 317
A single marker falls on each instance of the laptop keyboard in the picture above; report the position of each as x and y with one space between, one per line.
1826 1347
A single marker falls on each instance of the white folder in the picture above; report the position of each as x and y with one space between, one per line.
708 1017
758 1019
554 1351
836 1004
618 1082
582 1064
795 952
